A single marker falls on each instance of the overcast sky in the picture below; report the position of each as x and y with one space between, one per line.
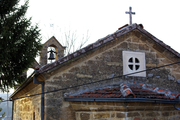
103 17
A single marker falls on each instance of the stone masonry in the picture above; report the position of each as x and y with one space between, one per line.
123 111
28 108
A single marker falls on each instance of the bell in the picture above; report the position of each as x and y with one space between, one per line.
51 57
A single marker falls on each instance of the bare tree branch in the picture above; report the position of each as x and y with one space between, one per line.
72 42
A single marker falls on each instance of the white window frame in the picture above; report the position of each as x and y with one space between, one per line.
141 64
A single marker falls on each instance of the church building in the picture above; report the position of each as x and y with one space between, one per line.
127 75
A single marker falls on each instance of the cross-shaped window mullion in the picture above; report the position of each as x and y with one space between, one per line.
134 64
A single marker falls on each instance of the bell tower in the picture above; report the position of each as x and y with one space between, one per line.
53 50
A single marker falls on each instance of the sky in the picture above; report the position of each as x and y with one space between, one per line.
103 17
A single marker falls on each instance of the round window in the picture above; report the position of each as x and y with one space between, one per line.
133 63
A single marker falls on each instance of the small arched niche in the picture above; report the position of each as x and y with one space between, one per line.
52 50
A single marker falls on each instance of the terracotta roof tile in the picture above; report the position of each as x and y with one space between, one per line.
124 91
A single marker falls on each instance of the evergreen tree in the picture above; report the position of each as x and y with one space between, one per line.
19 43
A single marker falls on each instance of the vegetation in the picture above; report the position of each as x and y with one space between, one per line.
20 43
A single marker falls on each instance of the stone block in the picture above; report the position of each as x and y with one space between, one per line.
111 103
120 115
167 108
140 108
84 76
101 103
110 52
120 104
165 114
156 108
137 119
129 40
113 63
149 108
143 47
123 45
101 115
113 114
104 108
120 108
136 40
154 114
134 104
80 108
68 76
107 58
76 102
131 108
137 34
116 59
54 102
117 53
85 116
91 103
133 114
159 48
144 38
133 46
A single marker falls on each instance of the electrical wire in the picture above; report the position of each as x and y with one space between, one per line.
91 82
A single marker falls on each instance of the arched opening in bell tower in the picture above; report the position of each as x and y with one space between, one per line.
52 54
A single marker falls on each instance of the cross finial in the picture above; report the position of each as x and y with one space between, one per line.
130 15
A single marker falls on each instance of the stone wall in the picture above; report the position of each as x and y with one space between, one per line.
104 63
28 108
123 111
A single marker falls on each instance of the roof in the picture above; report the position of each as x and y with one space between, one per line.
140 91
120 32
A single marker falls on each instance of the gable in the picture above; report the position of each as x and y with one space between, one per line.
52 42
103 66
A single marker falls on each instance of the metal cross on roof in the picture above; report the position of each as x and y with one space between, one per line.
130 15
